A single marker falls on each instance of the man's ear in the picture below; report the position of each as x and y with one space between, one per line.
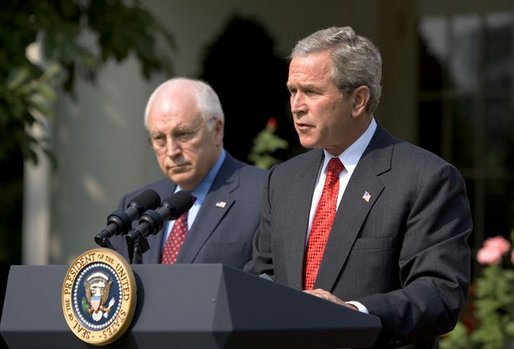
218 132
361 96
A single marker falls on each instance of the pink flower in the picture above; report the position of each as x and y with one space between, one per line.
488 256
493 250
499 243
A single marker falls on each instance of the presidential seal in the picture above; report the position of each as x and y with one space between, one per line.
99 296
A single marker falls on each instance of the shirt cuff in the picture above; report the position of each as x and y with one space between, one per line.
359 306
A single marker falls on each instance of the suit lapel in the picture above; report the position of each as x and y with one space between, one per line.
299 209
350 216
216 205
153 255
362 192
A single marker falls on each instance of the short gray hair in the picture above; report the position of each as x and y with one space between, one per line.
355 60
206 98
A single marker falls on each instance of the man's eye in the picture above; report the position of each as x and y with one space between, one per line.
159 139
184 136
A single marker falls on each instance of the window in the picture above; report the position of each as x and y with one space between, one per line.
466 108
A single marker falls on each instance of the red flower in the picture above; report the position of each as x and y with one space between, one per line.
272 123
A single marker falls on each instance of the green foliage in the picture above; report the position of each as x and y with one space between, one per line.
265 144
492 323
76 37
24 98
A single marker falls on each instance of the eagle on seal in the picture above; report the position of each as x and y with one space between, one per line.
97 287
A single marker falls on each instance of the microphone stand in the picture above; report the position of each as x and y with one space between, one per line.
140 246
136 247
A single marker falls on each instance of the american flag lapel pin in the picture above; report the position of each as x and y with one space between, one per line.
221 204
366 197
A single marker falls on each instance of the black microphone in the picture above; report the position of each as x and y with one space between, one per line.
119 222
152 221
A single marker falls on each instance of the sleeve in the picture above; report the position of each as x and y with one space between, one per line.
262 259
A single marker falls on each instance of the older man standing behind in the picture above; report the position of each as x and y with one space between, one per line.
185 122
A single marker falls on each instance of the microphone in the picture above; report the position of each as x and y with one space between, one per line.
171 208
119 222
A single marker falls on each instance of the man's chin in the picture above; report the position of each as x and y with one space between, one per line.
182 178
308 143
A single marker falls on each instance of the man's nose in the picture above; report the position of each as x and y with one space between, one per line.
172 148
297 101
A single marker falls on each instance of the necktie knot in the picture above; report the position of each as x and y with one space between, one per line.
175 240
334 168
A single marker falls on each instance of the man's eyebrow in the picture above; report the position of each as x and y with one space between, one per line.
303 86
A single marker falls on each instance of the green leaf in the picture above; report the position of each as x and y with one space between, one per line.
77 38
18 77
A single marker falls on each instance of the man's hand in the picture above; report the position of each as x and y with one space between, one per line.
329 297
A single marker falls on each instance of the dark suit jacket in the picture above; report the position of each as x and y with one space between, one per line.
218 234
403 254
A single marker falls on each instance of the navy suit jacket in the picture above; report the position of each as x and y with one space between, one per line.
220 233
401 251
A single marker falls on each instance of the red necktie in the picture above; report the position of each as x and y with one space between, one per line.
175 240
322 223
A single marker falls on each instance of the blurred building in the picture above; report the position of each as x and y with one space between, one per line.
448 85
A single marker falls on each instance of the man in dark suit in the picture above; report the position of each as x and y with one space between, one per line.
185 122
394 242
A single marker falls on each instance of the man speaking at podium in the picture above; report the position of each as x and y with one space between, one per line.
185 122
364 219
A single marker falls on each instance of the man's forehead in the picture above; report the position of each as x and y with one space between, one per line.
171 114
309 68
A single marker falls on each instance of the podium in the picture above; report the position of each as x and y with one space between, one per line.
204 306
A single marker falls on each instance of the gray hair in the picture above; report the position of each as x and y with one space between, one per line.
355 60
206 98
